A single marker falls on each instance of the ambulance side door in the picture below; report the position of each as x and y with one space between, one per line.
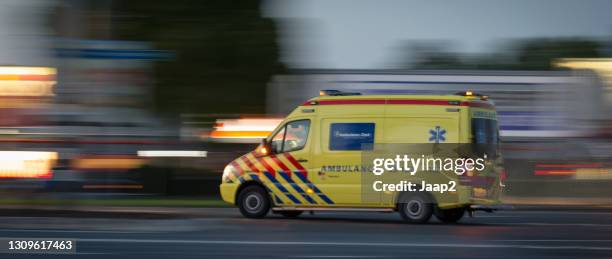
290 160
337 159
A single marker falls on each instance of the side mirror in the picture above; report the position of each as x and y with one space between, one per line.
264 149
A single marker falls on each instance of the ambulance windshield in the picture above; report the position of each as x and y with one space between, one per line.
486 136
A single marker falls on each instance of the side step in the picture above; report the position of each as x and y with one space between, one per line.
333 209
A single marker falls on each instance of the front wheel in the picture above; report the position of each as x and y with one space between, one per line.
253 202
449 215
415 207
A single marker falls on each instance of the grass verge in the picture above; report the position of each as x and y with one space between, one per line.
203 202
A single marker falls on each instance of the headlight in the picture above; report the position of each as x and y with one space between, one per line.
228 174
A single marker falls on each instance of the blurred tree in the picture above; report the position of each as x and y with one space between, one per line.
225 52
530 54
538 54
440 60
434 55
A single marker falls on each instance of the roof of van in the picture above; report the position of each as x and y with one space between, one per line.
396 96
473 101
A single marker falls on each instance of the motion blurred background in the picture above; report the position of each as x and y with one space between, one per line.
124 98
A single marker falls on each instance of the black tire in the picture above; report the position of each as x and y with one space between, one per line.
253 202
449 215
415 207
290 213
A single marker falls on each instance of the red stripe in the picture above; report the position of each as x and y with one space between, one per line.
45 175
297 165
280 164
554 172
36 77
249 164
358 101
421 102
238 167
267 166
399 101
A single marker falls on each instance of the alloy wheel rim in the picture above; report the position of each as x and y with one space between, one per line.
253 202
414 208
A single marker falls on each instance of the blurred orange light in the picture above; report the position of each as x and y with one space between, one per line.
239 134
102 162
27 81
602 66
555 172
246 130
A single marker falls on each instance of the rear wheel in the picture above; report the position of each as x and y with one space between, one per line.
449 215
415 207
290 213
253 202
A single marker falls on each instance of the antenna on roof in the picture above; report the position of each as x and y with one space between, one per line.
335 93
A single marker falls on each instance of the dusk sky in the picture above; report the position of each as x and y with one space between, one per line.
368 34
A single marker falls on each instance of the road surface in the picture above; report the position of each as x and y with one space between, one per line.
223 233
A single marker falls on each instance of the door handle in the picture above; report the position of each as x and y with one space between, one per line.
301 160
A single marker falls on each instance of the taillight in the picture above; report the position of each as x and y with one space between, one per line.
502 177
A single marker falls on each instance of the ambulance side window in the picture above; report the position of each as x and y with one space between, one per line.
292 137
277 141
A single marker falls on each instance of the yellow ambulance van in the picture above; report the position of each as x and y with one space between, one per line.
311 161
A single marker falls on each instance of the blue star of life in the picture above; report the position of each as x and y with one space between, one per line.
437 135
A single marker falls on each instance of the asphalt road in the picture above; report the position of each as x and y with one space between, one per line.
223 233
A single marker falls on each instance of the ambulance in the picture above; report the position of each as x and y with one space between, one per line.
311 161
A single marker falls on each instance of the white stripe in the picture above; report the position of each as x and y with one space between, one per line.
71 231
337 256
557 224
171 153
552 240
307 243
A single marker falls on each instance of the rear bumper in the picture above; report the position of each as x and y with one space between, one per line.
465 197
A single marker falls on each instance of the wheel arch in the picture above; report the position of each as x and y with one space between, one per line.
399 196
247 184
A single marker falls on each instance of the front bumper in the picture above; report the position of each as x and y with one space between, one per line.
228 192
